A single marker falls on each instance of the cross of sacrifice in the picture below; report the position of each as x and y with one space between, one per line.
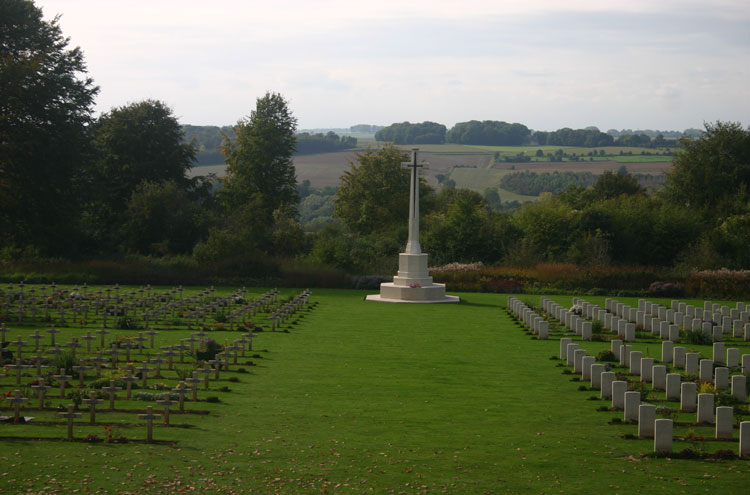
412 246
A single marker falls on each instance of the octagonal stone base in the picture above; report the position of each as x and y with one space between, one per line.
430 294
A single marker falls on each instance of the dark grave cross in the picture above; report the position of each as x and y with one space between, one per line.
128 379
182 347
158 361
81 369
111 390
17 400
62 378
3 331
18 367
41 389
70 416
19 343
88 338
181 391
73 344
206 370
36 336
166 403
102 332
144 370
240 343
194 381
52 331
170 353
233 352
192 340
140 339
114 351
151 334
56 351
92 401
127 346
37 360
98 361
149 417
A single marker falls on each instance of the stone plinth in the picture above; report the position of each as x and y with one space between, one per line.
413 284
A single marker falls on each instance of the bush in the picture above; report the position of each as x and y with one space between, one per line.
697 337
666 289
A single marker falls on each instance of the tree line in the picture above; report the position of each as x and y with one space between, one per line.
498 133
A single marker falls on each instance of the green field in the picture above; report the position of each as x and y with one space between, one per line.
363 397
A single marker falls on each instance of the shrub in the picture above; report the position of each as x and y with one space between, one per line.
666 289
697 337
607 356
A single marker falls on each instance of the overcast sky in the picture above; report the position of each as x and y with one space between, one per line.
659 64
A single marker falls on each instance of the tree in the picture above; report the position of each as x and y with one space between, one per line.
140 142
136 143
162 218
45 110
374 193
259 160
611 185
712 173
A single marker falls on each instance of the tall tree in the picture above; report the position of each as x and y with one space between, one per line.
712 173
136 143
374 193
45 109
259 160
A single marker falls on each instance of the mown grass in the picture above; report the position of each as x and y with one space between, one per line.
363 397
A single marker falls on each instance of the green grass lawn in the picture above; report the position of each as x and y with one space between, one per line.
363 397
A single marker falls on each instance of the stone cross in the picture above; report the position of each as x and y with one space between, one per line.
18 367
129 379
3 331
92 401
412 246
151 334
37 360
194 380
98 360
166 403
70 416
19 343
158 361
111 390
149 417
16 400
36 336
63 379
181 390
88 338
52 331
170 353
41 388
81 369
206 370
144 370
102 332
114 351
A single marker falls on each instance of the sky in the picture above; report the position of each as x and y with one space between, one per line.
654 64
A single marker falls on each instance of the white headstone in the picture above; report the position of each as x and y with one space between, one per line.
724 422
688 391
646 419
663 436
658 377
706 408
632 402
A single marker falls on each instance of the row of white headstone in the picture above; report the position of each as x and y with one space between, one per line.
713 319
535 322
645 367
